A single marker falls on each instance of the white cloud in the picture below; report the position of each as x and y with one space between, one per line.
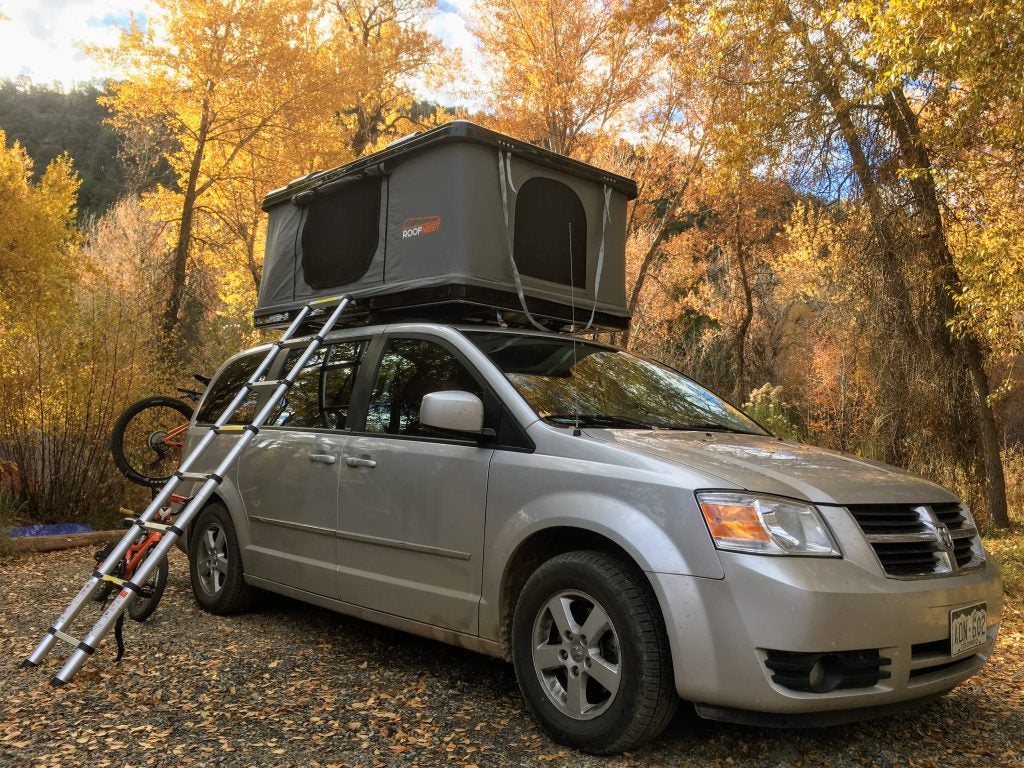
448 23
43 38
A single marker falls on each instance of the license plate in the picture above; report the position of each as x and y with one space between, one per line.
967 628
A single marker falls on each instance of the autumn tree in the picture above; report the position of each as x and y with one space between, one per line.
216 76
73 336
560 74
387 44
817 102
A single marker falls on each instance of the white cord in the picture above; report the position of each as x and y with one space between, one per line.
600 255
505 178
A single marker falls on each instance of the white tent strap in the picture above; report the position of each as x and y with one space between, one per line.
505 180
600 254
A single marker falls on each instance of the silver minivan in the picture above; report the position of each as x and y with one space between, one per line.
626 537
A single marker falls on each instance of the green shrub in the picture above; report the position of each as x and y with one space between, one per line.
768 407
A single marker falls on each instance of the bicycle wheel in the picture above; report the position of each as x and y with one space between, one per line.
148 438
142 607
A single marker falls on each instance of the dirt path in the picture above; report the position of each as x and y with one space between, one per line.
290 684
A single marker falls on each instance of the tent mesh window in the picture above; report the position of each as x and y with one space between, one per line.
546 212
340 234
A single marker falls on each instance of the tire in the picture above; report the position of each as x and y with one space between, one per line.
605 693
139 439
142 607
215 564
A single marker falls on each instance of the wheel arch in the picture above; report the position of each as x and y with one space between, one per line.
238 520
541 546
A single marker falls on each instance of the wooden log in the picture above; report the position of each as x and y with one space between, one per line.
55 543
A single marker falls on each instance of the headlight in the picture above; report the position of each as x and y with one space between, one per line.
766 525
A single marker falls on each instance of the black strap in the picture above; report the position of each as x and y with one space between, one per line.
119 637
84 646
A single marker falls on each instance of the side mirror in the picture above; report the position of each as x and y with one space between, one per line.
454 411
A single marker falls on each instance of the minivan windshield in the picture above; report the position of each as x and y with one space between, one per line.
570 382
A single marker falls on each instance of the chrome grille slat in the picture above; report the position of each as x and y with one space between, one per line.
916 541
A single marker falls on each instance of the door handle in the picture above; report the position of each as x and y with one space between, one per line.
323 458
356 461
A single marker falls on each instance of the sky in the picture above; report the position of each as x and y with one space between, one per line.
43 38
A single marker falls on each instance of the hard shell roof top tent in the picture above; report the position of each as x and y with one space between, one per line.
458 223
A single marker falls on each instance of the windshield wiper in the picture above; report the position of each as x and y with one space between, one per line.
598 420
712 428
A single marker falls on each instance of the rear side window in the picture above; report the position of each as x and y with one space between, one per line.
320 397
223 391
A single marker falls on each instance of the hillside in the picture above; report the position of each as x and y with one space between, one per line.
48 121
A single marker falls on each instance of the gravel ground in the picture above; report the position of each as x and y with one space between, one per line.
289 684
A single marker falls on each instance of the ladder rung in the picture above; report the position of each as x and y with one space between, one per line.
302 343
267 384
327 300
200 477
113 579
66 638
151 526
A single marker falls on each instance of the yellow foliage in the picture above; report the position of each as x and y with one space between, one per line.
38 238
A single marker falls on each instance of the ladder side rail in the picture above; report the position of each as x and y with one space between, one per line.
182 519
125 595
106 568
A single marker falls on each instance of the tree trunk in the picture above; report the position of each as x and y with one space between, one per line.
649 256
946 284
895 307
740 342
176 292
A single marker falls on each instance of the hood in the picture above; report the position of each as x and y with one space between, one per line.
768 465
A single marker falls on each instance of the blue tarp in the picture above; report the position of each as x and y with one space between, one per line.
58 529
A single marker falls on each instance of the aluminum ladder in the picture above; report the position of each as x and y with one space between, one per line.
86 647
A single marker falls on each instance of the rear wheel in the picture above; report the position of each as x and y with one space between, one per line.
148 439
142 607
215 563
591 653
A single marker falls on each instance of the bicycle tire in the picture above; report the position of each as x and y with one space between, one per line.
137 442
142 607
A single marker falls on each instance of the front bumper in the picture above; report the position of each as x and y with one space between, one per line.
721 629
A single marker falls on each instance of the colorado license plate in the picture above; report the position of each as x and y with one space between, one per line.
967 628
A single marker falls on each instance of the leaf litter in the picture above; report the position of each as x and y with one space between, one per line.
289 684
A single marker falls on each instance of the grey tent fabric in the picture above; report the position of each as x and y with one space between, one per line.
459 220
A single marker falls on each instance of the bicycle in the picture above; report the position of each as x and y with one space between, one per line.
148 437
146 444
148 597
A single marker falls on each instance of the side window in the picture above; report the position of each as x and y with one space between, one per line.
339 378
320 396
410 369
223 391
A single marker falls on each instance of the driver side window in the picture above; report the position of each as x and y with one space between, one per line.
410 369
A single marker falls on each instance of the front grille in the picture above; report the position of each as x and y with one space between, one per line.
912 541
824 672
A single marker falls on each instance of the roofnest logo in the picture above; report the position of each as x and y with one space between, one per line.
420 225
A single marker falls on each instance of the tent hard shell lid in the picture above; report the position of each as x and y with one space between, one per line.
458 223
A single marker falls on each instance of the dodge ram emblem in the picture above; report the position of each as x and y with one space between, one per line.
945 537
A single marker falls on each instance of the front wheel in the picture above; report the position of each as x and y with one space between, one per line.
148 438
215 563
591 654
